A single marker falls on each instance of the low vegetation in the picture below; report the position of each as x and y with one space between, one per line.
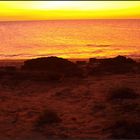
122 93
124 120
54 68
48 117
123 129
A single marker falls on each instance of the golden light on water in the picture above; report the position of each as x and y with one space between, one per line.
43 10
61 36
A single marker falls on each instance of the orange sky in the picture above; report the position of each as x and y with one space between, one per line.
52 10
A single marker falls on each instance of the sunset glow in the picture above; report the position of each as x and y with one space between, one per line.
43 10
69 69
69 29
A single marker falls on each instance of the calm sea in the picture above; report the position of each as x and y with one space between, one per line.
69 38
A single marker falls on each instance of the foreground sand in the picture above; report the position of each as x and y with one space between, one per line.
80 103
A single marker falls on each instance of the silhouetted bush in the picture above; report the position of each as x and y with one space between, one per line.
116 65
122 93
52 64
48 117
111 61
123 129
123 121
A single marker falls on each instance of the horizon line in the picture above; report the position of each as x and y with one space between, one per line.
102 57
70 19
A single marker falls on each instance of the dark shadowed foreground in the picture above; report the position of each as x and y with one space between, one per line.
54 98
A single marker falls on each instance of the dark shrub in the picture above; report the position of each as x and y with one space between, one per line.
122 93
116 65
123 129
129 107
98 107
52 64
48 117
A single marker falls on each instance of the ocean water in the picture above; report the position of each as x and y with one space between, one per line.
69 38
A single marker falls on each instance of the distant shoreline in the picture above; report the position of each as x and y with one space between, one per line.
90 19
70 59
